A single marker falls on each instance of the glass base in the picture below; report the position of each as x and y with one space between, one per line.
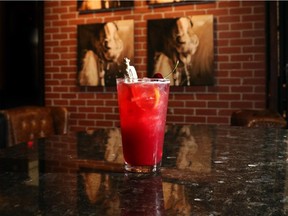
142 169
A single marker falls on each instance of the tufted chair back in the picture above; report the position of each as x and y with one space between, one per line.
258 118
22 124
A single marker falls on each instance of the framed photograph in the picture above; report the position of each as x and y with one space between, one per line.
93 6
101 50
159 3
187 41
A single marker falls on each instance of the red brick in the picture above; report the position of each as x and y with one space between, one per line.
218 104
61 102
207 97
206 112
175 118
229 81
184 111
196 103
104 124
218 120
230 97
195 119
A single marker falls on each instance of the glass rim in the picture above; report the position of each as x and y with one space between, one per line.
143 79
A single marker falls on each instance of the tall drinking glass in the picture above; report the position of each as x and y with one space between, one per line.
143 107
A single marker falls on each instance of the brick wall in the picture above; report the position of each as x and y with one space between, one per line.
239 40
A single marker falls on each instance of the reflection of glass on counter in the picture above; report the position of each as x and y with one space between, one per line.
142 195
195 150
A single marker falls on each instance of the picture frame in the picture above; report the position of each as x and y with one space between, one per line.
163 3
95 6
101 50
187 40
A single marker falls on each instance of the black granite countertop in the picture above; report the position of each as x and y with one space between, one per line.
206 170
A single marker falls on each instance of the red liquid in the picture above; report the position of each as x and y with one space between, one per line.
143 107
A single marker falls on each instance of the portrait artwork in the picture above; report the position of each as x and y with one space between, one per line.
101 50
186 40
168 2
91 6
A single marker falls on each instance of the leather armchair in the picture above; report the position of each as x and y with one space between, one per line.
257 118
23 124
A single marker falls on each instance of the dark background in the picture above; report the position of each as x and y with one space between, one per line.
21 53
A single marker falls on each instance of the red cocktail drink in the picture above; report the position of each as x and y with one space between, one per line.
143 108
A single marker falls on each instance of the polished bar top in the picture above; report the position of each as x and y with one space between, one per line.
206 170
